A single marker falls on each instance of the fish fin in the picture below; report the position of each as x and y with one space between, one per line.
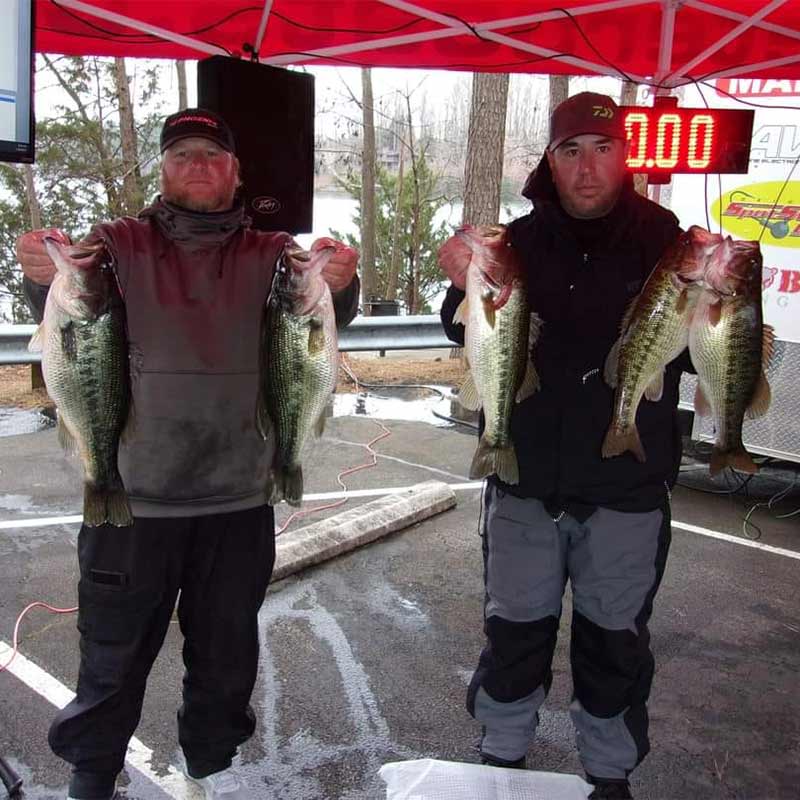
715 313
69 344
36 343
66 438
701 405
738 459
618 442
530 382
316 336
129 427
319 425
462 313
683 302
263 420
274 487
292 479
767 345
489 312
655 389
468 394
612 364
500 461
103 505
762 397
628 315
534 329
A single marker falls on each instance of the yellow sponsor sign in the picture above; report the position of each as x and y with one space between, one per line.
750 212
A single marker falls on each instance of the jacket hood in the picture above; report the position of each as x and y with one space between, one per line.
195 228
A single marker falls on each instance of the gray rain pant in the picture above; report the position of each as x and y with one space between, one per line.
615 562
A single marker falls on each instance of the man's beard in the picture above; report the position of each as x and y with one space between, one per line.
222 200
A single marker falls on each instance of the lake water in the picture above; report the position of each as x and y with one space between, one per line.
333 212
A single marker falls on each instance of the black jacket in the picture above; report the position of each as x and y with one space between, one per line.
581 276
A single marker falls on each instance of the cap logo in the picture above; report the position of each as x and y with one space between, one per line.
189 118
603 112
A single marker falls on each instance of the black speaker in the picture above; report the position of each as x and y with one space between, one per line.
271 113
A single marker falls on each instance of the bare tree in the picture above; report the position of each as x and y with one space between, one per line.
630 92
132 199
394 263
30 195
368 157
484 168
183 94
95 131
559 90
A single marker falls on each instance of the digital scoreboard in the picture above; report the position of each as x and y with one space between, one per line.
665 139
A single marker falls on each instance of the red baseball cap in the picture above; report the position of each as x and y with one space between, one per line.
587 112
197 122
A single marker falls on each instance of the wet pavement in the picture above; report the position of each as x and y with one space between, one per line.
366 658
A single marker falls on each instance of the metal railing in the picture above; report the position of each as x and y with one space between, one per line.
363 333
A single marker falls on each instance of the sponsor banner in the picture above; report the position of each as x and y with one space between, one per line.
764 204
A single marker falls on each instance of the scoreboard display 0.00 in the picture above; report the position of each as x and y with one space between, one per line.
666 139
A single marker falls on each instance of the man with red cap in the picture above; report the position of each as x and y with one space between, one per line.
194 278
588 245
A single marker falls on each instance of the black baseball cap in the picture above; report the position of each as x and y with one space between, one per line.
587 112
197 122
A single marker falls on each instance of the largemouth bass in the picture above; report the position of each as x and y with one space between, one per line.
299 360
654 331
499 334
84 347
730 348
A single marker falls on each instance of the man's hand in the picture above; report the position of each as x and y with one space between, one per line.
341 269
32 254
454 257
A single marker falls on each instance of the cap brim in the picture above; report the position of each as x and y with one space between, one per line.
195 135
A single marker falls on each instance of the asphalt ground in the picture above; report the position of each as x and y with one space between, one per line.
366 658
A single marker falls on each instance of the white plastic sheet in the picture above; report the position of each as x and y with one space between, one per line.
429 779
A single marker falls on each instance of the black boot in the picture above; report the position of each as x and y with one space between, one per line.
609 789
494 761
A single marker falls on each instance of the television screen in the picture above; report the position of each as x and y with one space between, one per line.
16 81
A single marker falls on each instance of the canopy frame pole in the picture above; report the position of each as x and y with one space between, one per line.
144 27
754 69
728 37
262 25
669 10
771 27
449 22
453 28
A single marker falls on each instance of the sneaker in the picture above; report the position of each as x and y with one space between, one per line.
494 761
223 785
609 789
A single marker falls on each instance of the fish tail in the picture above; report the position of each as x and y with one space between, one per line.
293 484
274 489
285 482
618 442
494 460
738 459
106 504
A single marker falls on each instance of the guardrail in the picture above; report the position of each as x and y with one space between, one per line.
363 333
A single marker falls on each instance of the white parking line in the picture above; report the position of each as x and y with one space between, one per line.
726 537
139 756
42 522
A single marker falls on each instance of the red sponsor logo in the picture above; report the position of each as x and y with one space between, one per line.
768 276
757 87
778 218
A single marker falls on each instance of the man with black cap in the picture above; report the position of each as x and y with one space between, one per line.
588 245
194 278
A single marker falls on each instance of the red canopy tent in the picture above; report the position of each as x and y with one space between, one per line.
663 41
